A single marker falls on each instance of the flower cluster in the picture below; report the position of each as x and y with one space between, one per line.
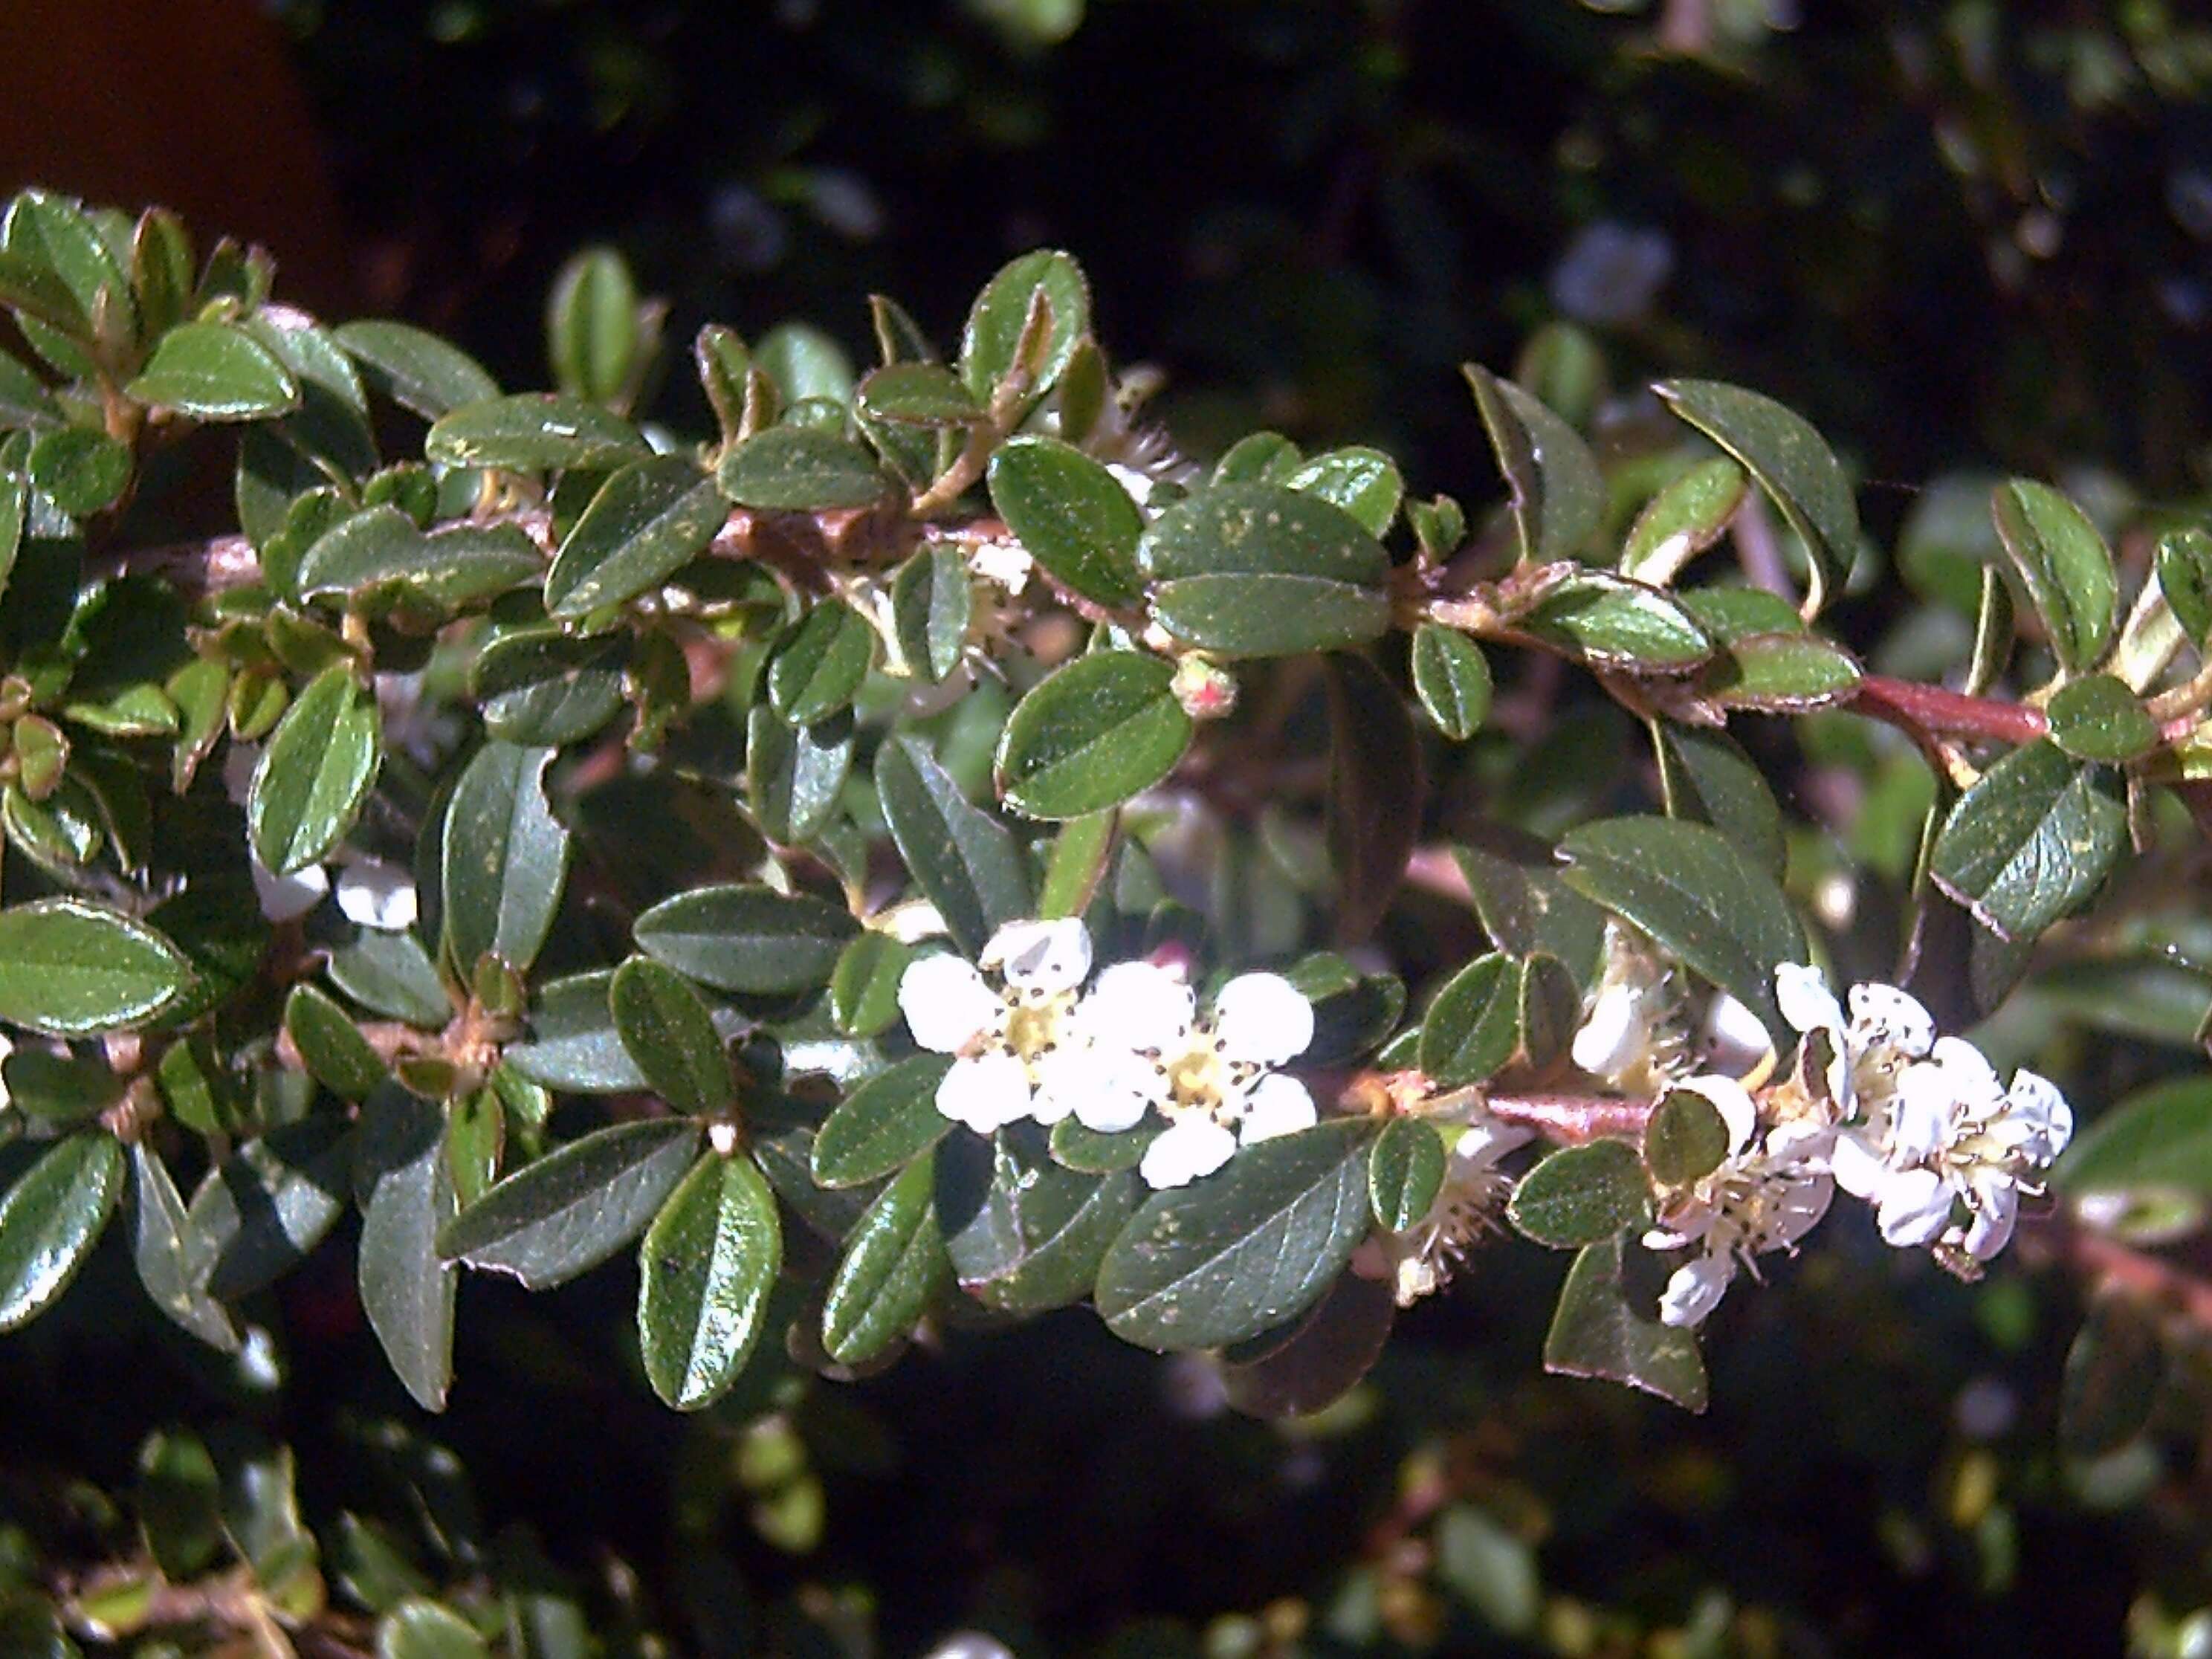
1031 1042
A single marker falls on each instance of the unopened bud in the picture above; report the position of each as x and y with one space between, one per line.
1206 691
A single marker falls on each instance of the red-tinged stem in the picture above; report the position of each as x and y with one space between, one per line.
1574 1119
1930 710
2154 1277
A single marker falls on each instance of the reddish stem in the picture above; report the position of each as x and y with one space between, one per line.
1926 710
1575 1119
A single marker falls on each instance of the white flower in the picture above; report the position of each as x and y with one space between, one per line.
1215 1082
1419 1261
1628 1037
1005 1039
1766 1195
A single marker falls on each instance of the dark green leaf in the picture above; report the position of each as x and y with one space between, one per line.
794 469
931 604
794 774
1705 777
2185 576
61 1088
1617 624
531 432
1363 481
1377 786
2064 565
1258 458
51 1219
1684 1140
864 988
821 663
2113 1372
1257 571
883 1125
216 372
1683 519
1550 1011
416 370
1076 864
746 938
380 552
162 1250
179 1503
392 974
1559 493
1001 312
1073 515
2159 1138
540 687
1474 1025
1216 1262
1023 1234
1582 1195
647 521
1793 465
572 1209
82 471
573 1043
331 1046
918 394
965 860
72 968
505 859
1451 676
1092 1152
1093 733
592 333
403 1183
804 363
671 1036
2097 718
894 1261
420 1629
1690 889
1785 673
1599 1331
1524 906
311 780
259 1215
2030 841
1406 1172
705 1270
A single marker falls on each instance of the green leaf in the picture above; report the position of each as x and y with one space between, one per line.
15 506
216 372
69 968
804 363
415 369
1690 889
1377 783
918 394
1406 1172
51 1219
2185 576
1451 676
1524 906
1787 673
420 1629
894 1261
573 1043
403 1182
331 1046
1363 481
577 1205
1493 1570
1599 1331
705 1270
539 687
2030 841
1257 571
179 1503
332 423
392 974
1091 1151
2158 1139
965 860
794 774
380 560
1001 311
591 334
1684 1140
1242 1251
82 471
1474 1025
1582 1195
819 666
2064 565
2114 1370
883 1125
1617 623
794 469
1024 1234
863 987
1073 515
1705 777
315 773
671 1036
162 1250
1683 519
1076 864
1258 458
1793 465
1559 493
58 235
746 938
2097 718
531 432
504 858
933 602
1091 734
259 1213
647 522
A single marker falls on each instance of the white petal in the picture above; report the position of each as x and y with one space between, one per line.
375 894
1806 1002
1916 1206
1481 1145
1732 1101
1277 1105
1196 1146
1736 1037
2035 1100
1262 1018
1108 1089
1695 1290
1801 1141
1884 1014
1138 1005
1973 1080
1797 1211
1857 1164
284 898
1615 1036
985 1092
238 762
1920 1113
946 1003
1996 1209
1041 956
